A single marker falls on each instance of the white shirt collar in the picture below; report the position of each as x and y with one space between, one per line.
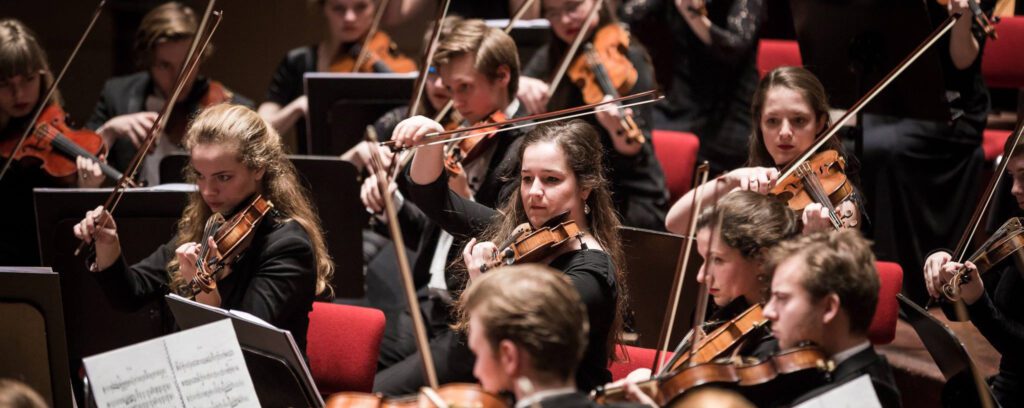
844 355
539 396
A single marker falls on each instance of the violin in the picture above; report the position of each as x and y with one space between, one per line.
527 245
177 124
1007 240
378 54
802 368
820 179
604 69
980 18
465 150
56 145
449 395
232 238
722 340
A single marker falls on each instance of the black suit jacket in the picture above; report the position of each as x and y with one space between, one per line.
275 279
864 362
579 400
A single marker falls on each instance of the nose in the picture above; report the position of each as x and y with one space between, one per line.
1018 188
702 274
536 188
769 311
350 15
786 130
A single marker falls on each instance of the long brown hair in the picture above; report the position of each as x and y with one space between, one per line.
801 81
585 155
21 54
259 147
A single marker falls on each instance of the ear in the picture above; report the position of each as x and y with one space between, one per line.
585 193
510 358
831 312
503 75
259 173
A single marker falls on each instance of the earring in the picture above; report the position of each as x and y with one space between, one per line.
586 208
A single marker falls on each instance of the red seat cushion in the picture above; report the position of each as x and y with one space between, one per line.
883 324
677 153
633 358
1001 64
992 142
342 344
772 54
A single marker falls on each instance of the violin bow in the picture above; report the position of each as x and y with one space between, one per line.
403 262
576 42
364 53
41 105
867 98
677 281
202 37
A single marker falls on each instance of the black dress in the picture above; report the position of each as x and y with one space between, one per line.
865 362
286 85
19 244
275 279
638 182
711 85
591 272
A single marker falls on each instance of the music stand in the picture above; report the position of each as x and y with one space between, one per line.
341 105
852 45
93 324
34 348
334 187
278 370
652 276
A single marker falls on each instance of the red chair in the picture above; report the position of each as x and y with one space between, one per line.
772 54
633 358
883 324
677 152
342 344
1001 66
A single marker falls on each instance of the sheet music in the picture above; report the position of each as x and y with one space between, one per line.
200 367
858 393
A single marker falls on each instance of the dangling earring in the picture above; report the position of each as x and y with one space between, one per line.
586 208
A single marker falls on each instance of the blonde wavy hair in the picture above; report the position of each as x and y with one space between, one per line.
259 147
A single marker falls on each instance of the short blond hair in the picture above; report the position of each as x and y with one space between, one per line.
170 21
492 47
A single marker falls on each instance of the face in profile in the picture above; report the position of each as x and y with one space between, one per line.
727 274
488 368
795 315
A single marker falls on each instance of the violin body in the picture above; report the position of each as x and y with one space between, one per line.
232 238
723 339
1008 240
535 245
56 146
466 150
381 55
610 44
455 395
821 179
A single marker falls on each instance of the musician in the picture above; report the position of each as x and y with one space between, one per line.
713 71
637 178
790 109
406 10
479 66
527 328
128 105
24 78
993 301
561 174
234 155
824 291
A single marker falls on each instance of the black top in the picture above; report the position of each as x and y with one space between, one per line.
275 279
969 100
999 315
864 362
638 182
127 94
712 85
286 84
580 400
591 271
22 248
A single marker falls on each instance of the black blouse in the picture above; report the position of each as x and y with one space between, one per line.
968 96
591 271
275 279
286 84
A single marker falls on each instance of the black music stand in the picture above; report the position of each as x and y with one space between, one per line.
277 367
852 45
334 187
33 347
341 105
649 279
93 325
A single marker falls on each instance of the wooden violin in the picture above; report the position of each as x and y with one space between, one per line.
723 339
527 245
980 18
378 54
1006 241
820 179
604 69
56 146
465 150
449 395
232 237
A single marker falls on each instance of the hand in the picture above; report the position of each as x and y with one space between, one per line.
187 255
939 269
932 272
98 226
89 173
757 179
533 93
610 117
412 130
815 217
371 196
478 257
134 126
959 6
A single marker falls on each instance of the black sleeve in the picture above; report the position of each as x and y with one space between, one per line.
458 216
129 288
286 84
634 12
102 112
1003 331
284 277
731 42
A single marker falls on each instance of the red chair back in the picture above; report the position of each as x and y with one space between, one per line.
772 54
632 358
883 324
677 153
1001 65
342 345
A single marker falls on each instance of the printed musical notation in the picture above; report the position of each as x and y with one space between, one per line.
202 367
